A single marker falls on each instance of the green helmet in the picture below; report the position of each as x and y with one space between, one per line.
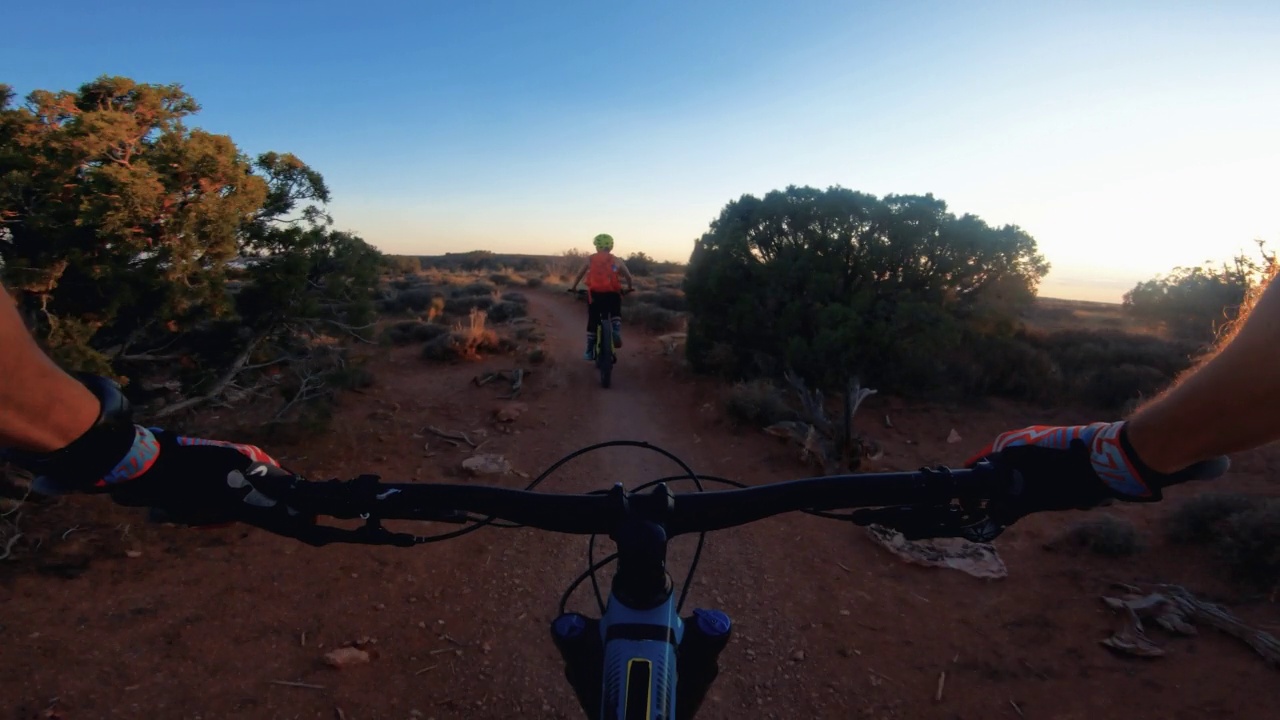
603 242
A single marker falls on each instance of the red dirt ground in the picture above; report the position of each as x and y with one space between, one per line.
827 624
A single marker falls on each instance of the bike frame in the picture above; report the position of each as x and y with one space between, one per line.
641 660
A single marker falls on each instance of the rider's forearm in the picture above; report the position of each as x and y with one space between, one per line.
1228 404
41 408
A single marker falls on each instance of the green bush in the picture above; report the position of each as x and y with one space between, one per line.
411 331
501 279
461 306
515 297
1198 302
1250 545
1010 367
533 282
530 333
1104 369
421 298
640 264
757 403
1244 532
836 283
507 310
1203 518
474 290
651 317
1105 535
444 348
1114 387
351 377
673 300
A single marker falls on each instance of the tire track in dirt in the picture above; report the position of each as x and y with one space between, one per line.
740 569
639 406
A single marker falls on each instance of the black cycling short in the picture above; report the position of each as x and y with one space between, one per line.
605 303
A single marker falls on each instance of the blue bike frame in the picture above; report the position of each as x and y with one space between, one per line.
641 661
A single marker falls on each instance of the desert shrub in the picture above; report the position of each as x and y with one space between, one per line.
1250 545
1105 369
529 333
1105 535
507 310
673 300
464 305
1113 387
503 279
666 299
1242 530
537 356
757 403
1010 367
533 282
651 317
515 297
640 264
474 289
1201 519
721 360
1080 352
458 344
421 298
835 283
352 377
444 348
1197 303
411 331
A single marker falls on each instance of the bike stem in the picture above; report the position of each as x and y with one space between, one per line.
642 581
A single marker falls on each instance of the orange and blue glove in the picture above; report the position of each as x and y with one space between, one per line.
1077 467
184 480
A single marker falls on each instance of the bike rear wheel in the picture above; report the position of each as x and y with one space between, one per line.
604 352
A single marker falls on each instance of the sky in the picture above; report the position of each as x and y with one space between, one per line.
1128 138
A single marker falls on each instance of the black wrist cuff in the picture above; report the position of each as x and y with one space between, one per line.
98 450
1155 481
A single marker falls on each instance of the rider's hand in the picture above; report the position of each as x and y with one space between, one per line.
1081 466
190 481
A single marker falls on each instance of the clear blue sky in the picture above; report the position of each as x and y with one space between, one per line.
1126 137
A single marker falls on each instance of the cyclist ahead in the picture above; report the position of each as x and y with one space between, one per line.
604 290
80 436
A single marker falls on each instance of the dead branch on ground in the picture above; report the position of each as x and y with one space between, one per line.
449 436
1175 608
835 447
516 377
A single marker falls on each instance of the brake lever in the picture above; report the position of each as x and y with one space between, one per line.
371 533
348 499
922 522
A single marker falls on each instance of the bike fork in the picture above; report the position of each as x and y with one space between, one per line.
706 633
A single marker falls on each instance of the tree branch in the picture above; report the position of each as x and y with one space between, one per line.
237 366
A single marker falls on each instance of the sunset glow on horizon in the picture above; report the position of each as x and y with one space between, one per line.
1128 138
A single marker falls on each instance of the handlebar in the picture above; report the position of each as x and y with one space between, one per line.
601 513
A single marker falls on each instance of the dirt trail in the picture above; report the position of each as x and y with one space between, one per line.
827 625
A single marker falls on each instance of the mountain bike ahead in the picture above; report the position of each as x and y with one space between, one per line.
605 355
642 660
